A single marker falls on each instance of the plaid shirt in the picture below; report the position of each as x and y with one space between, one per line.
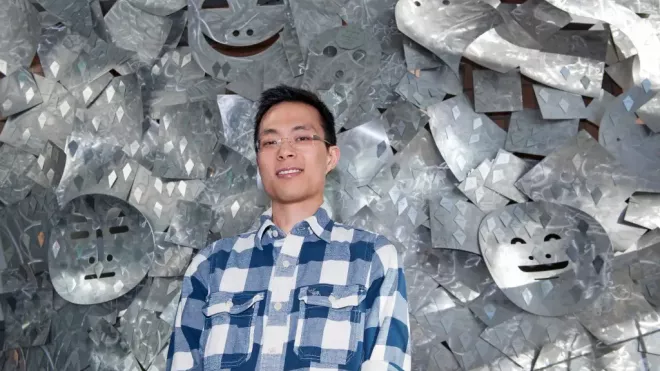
324 297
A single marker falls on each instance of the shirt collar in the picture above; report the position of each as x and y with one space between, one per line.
320 223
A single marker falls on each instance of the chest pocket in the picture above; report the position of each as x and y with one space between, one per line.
229 331
330 323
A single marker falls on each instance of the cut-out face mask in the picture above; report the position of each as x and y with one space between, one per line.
100 249
548 259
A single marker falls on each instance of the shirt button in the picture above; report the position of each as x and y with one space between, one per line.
274 233
278 306
286 264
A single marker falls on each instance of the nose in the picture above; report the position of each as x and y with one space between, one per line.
285 150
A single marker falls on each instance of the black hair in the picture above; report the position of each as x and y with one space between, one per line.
283 93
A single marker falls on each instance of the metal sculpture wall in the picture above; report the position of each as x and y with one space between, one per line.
525 202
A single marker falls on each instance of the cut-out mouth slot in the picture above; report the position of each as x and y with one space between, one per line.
119 229
543 267
103 275
79 235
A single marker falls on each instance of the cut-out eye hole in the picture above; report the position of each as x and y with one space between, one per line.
551 236
99 233
339 74
109 257
92 260
236 33
417 3
330 51
516 240
249 32
446 2
119 229
79 235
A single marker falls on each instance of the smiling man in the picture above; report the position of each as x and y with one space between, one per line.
301 292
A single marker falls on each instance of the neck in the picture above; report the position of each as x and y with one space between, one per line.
286 215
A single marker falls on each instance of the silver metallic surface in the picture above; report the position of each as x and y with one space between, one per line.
14 181
496 92
366 149
473 186
547 258
531 134
584 175
238 124
170 260
19 26
161 8
465 138
404 121
95 253
190 224
644 210
557 105
340 64
505 170
454 224
423 88
18 92
633 145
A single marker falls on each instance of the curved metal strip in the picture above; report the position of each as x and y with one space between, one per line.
445 29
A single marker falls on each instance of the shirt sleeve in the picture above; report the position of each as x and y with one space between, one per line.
387 332
184 353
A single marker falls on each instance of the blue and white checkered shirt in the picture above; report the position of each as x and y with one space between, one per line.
324 297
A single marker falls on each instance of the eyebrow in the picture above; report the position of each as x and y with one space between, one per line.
295 128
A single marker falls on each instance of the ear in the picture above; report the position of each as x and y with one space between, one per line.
333 158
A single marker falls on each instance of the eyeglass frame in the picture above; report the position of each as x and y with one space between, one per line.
315 137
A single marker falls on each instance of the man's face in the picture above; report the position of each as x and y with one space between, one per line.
295 170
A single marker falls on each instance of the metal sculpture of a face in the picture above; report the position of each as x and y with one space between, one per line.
100 249
548 259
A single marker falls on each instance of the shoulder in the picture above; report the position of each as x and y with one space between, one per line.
219 250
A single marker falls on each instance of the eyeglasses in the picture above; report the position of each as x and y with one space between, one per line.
300 142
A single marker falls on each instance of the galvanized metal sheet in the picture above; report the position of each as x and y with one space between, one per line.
170 259
19 25
465 138
506 169
582 174
366 149
18 92
547 258
404 121
473 186
644 210
190 224
496 92
530 133
454 223
95 253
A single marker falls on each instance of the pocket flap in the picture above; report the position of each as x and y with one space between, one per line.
232 303
332 296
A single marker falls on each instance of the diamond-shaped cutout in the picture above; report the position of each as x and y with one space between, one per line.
158 209
26 135
546 287
64 108
183 144
490 309
186 59
135 146
476 123
7 105
110 93
527 295
402 205
456 112
598 264
545 219
395 169
42 120
168 147
447 204
460 236
55 68
170 188
137 194
382 146
234 208
112 178
226 68
73 147
628 103
565 72
563 104
158 185
596 194
585 82
87 93
412 215
646 84
474 138
155 70
572 253
120 113
544 95
29 95
182 188
127 171
78 181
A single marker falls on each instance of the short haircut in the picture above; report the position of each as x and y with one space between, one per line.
283 93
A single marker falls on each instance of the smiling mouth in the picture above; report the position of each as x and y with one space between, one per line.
543 267
288 173
103 275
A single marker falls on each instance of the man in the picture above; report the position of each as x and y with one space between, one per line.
301 292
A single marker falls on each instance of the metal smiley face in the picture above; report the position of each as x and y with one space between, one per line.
100 249
244 23
548 259
341 64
